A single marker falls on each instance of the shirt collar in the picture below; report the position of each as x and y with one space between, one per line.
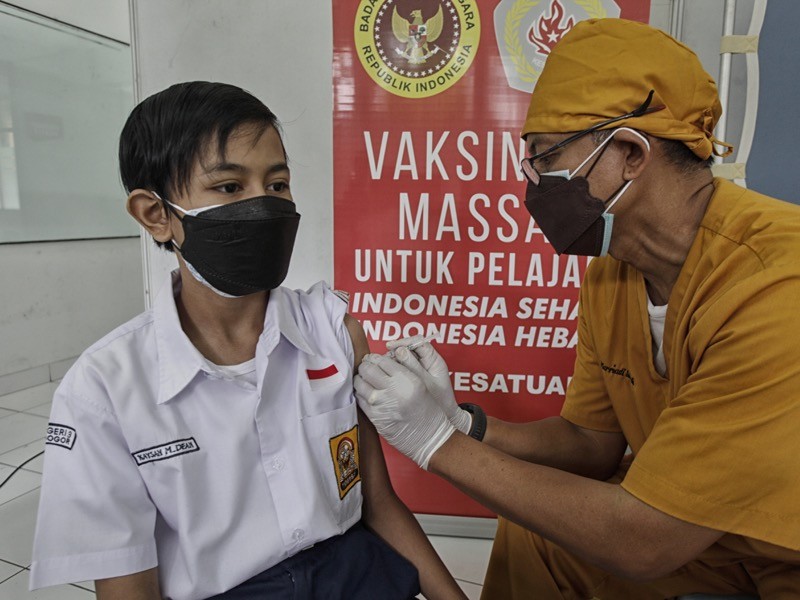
179 361
283 311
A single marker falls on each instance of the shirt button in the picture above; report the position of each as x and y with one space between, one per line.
298 534
278 464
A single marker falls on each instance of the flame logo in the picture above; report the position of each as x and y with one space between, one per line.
547 30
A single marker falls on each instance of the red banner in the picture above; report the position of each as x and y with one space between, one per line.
431 235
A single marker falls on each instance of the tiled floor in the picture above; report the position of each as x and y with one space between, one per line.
23 417
467 559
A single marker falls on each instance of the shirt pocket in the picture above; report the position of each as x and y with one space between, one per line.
325 386
334 445
324 373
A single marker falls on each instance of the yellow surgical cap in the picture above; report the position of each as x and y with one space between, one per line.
605 68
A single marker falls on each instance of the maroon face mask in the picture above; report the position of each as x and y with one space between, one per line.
574 221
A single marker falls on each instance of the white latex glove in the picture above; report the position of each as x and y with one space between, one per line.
432 369
400 407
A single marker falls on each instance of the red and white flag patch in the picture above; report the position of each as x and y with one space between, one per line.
325 376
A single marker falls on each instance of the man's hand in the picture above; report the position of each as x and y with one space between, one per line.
432 369
401 408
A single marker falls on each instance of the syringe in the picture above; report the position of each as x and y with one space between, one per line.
416 344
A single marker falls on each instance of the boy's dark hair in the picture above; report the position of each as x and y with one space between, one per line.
166 133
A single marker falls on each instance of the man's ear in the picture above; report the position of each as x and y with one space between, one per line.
150 213
637 152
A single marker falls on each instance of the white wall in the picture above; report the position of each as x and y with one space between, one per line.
701 31
104 17
56 298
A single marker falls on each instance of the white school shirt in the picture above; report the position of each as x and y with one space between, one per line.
154 457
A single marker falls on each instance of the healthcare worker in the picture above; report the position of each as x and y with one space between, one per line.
688 351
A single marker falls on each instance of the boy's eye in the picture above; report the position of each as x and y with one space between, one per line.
278 186
228 188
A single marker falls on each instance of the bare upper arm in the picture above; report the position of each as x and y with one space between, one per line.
137 586
375 477
359 339
375 481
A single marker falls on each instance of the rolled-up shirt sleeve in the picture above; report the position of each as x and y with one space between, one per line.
95 517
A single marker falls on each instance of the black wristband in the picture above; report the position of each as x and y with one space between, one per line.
478 429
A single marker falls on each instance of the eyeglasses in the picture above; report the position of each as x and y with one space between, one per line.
527 164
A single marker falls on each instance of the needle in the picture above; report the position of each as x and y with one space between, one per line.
424 340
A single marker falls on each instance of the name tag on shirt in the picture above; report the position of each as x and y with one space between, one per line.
165 451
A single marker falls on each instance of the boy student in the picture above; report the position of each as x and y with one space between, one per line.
211 447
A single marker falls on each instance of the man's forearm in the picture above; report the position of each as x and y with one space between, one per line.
599 521
557 443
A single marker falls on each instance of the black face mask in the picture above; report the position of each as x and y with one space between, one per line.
243 247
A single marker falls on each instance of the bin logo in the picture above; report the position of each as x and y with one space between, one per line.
416 48
527 30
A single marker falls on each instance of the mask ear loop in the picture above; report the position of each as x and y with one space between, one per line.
622 189
600 148
607 216
192 212
603 147
599 156
170 208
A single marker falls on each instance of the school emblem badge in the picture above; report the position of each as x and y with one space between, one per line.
526 31
344 452
416 48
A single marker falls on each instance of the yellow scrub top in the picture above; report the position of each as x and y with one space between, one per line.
716 442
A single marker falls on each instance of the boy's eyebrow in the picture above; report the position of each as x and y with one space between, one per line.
226 166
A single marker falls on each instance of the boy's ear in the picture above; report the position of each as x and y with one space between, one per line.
151 214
